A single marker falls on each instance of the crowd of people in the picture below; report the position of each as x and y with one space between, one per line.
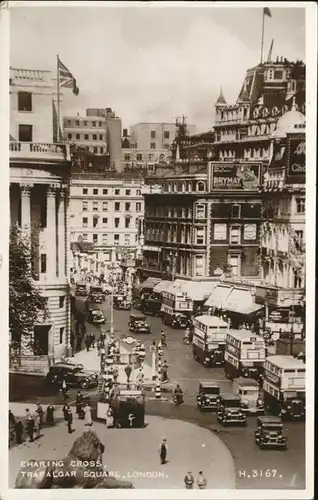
30 426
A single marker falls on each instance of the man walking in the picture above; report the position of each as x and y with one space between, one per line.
37 425
29 424
64 390
79 403
87 343
128 371
18 431
40 412
163 450
69 421
201 481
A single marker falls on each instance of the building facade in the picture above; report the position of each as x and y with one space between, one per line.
155 136
39 200
99 132
106 213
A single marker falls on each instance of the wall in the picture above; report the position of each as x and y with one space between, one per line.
250 262
218 259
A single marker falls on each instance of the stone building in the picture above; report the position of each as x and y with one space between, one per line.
39 199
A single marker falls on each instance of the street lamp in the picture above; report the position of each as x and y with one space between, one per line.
112 301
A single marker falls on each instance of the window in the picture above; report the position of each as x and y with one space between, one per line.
138 192
127 157
139 157
101 150
95 238
299 237
105 191
200 211
152 145
95 206
105 220
85 123
105 237
78 136
100 124
236 211
86 137
117 206
105 206
94 137
153 134
200 186
95 150
278 75
116 221
127 222
95 221
24 101
100 137
150 156
69 123
137 223
127 206
61 334
85 221
69 136
95 191
117 192
25 133
85 191
138 207
116 239
62 301
234 262
166 134
85 237
199 265
235 235
93 124
127 239
300 205
128 192
43 263
77 123
200 236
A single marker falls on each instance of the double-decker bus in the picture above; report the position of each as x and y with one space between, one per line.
244 355
209 335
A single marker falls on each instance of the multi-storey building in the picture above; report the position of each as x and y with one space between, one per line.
155 136
243 130
105 212
98 132
39 199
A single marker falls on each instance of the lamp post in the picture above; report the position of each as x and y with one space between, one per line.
112 302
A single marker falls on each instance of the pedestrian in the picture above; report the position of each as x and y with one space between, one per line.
29 425
109 418
18 427
65 410
140 378
69 420
87 342
189 481
128 371
37 426
201 481
163 450
88 415
79 403
115 374
50 415
78 341
40 412
92 340
11 427
98 345
64 390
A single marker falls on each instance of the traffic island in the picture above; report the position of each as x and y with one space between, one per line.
133 454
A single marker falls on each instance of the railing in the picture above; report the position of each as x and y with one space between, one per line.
30 74
61 151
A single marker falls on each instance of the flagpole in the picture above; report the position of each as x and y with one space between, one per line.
58 97
262 44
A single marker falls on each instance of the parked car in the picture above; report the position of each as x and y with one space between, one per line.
208 396
74 376
96 317
138 324
229 410
269 433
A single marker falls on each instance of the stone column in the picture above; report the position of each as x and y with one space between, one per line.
61 235
51 232
26 209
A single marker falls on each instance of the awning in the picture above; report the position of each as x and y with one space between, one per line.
162 286
149 283
241 301
218 296
197 291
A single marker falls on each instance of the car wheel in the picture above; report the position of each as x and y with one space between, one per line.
83 384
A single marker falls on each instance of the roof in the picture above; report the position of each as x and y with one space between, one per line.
211 320
292 121
246 382
209 384
221 98
284 361
270 420
245 335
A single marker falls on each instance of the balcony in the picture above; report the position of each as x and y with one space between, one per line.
39 151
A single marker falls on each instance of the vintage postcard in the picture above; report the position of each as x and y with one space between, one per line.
157 249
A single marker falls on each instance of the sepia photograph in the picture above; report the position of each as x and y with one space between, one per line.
158 274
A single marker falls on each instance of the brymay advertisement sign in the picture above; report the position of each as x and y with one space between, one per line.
297 157
234 175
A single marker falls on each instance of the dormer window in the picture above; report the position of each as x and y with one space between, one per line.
200 186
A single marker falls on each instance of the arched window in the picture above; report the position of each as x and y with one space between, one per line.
184 186
200 186
189 186
169 187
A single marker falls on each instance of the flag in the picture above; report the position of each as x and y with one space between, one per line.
270 52
267 12
66 78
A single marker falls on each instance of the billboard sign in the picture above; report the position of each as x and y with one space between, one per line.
234 176
296 156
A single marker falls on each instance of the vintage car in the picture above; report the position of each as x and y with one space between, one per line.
269 433
138 324
96 317
96 294
175 320
248 390
208 396
229 410
121 302
74 376
81 290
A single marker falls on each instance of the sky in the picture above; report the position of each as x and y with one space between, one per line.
148 62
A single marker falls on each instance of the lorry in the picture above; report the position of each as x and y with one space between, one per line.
284 387
249 391
209 336
244 355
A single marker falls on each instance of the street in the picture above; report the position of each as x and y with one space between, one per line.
255 468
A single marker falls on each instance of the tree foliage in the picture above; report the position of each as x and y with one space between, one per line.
26 302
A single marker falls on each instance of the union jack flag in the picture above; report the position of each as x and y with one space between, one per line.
66 78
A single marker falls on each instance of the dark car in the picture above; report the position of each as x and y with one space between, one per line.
74 375
96 294
138 324
208 396
269 433
229 410
176 320
81 290
96 317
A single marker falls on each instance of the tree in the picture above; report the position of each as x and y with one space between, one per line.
26 303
